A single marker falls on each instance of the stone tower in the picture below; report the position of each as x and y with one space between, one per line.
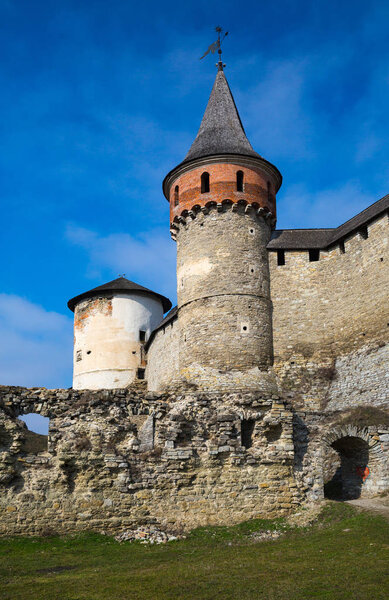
222 210
112 323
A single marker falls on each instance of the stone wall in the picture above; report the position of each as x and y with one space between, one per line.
116 459
224 309
330 322
328 308
162 357
104 471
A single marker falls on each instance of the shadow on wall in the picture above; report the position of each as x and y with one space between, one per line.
351 469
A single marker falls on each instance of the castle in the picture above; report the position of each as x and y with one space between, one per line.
266 387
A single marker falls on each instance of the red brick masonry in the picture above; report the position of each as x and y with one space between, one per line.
258 188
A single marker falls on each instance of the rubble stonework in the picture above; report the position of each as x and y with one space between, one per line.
122 459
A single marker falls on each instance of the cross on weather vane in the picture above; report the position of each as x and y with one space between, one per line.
217 46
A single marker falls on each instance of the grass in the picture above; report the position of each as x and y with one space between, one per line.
342 556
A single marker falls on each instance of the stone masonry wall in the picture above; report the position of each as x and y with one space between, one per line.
331 323
335 305
224 309
162 357
116 459
120 458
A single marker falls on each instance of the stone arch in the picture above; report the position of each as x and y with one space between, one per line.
352 462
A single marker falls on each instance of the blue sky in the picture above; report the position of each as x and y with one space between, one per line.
99 100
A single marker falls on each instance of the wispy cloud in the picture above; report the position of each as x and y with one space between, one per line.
302 208
148 258
36 344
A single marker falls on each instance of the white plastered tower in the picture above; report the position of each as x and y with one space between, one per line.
111 325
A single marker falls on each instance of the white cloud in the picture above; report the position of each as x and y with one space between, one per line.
275 111
148 259
330 207
36 344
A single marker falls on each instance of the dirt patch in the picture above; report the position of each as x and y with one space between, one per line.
377 505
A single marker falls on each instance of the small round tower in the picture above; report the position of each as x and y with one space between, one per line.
112 323
222 210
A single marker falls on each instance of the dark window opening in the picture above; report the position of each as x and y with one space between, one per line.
205 183
364 232
246 432
314 255
176 195
280 258
239 181
89 351
140 373
142 335
341 247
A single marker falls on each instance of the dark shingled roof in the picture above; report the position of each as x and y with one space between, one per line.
121 284
169 317
221 130
305 239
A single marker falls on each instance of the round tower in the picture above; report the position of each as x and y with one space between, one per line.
222 210
112 323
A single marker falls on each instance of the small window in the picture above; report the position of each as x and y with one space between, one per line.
363 232
142 335
239 181
280 258
205 183
342 248
246 432
314 255
140 373
176 195
78 355
269 191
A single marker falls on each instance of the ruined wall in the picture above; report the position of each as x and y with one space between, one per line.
162 357
330 321
118 458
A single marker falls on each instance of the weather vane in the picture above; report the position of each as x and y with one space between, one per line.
217 46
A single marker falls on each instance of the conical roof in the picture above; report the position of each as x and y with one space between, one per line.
121 284
221 130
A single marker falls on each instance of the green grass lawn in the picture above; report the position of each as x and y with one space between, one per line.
342 556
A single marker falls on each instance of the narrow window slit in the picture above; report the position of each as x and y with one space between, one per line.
239 181
205 183
280 258
246 432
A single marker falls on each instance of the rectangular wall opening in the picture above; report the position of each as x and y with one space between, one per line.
246 432
314 255
280 258
140 373
142 335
